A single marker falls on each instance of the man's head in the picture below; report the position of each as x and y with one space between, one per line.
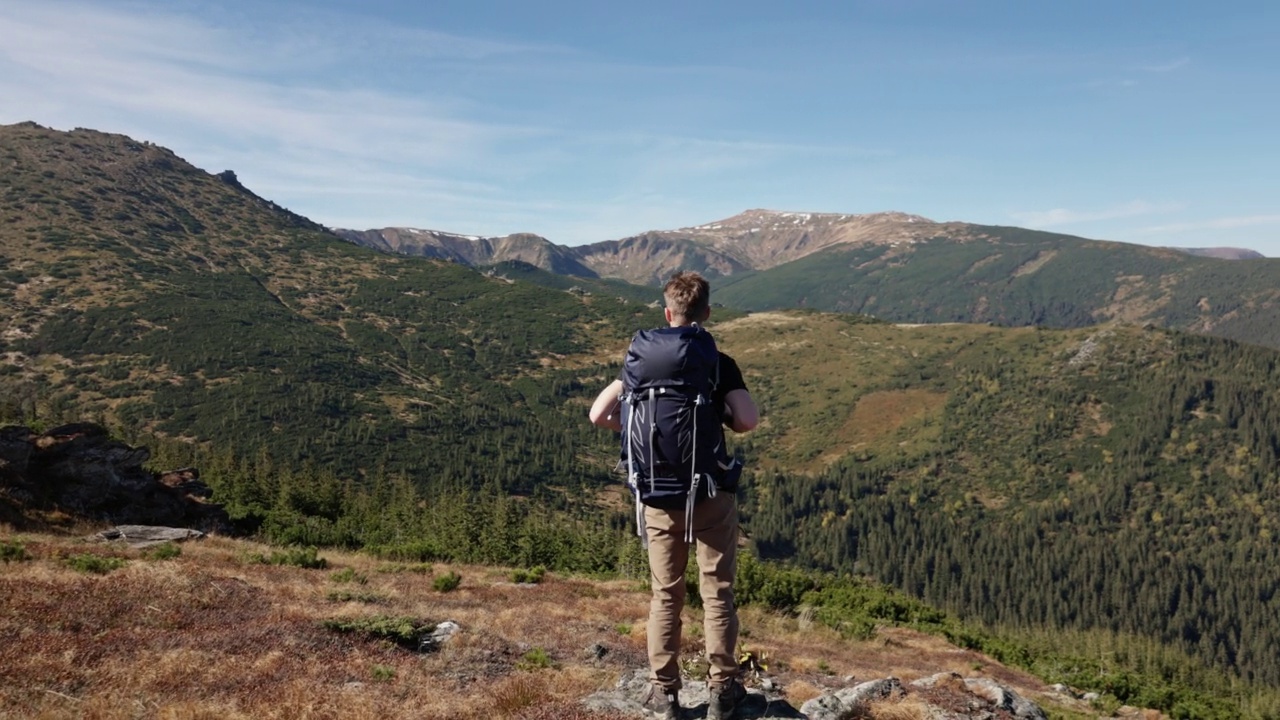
688 298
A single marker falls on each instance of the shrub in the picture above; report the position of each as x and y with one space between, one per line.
96 564
383 673
403 631
447 582
346 575
528 576
13 551
535 659
163 551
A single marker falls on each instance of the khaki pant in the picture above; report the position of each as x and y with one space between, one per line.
715 532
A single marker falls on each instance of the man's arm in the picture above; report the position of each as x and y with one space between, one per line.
604 411
740 410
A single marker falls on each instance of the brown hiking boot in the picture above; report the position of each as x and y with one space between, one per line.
725 700
662 702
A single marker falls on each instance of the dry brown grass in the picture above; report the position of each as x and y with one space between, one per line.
210 635
908 708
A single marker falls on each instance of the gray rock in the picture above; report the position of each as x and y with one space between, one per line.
833 706
631 688
933 680
824 707
1004 698
140 536
1090 697
443 633
984 698
870 691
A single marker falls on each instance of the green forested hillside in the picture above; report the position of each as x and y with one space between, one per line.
1118 479
147 292
1112 479
1014 277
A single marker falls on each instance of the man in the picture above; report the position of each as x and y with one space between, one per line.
715 533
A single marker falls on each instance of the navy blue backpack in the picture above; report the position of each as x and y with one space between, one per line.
673 447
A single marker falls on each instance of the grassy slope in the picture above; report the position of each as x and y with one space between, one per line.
210 634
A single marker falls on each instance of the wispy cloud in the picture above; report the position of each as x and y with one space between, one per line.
1125 82
1112 83
1062 216
1167 66
349 119
75 61
1222 223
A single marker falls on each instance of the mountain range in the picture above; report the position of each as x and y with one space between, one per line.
1109 486
906 268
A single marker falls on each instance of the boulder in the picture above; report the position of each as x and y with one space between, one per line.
79 469
439 637
141 536
842 702
629 693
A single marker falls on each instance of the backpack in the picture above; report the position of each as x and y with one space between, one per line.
673 447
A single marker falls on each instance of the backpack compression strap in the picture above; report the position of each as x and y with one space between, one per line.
633 479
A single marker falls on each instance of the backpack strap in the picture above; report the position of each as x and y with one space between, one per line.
653 430
632 479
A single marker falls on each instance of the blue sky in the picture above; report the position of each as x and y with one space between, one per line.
1146 122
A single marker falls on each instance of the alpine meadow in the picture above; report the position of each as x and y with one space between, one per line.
1094 504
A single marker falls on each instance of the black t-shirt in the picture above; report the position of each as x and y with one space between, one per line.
730 379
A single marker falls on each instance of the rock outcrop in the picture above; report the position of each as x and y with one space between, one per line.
946 696
80 470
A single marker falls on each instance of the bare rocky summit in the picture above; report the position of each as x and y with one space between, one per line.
1224 253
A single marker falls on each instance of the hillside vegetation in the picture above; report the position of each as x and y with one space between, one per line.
1016 277
1118 478
1113 486
149 293
233 629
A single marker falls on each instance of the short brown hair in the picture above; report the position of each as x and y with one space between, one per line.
688 296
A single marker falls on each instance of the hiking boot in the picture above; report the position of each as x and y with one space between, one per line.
725 700
662 702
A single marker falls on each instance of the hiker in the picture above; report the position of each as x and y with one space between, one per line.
670 517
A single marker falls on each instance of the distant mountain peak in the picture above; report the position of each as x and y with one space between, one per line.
1223 253
778 219
440 233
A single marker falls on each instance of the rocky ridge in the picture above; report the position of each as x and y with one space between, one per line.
471 249
752 240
